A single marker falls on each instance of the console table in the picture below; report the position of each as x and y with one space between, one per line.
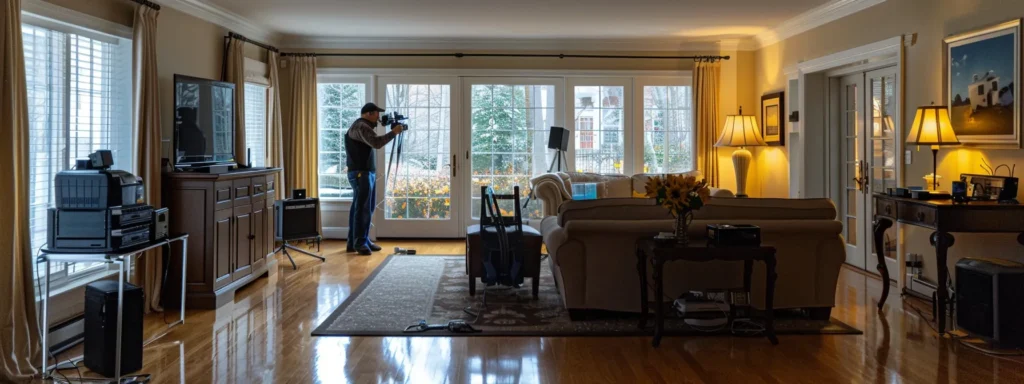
945 218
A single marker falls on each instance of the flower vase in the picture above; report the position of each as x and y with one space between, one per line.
682 226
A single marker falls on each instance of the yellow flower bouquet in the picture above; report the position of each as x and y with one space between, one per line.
681 195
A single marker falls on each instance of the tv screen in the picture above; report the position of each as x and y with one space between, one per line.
204 121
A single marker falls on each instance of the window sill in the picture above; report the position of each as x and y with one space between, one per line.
75 284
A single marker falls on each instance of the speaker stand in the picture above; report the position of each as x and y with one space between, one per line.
285 247
555 162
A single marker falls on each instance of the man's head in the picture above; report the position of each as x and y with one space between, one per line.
371 112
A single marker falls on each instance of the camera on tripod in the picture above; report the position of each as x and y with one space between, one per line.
394 118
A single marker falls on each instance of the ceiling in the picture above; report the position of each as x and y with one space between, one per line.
685 20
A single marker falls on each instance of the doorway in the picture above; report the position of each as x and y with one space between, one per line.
867 124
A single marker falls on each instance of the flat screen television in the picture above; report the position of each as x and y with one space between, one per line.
204 122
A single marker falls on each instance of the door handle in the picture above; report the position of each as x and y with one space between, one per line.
454 165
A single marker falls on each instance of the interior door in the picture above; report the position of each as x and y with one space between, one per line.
853 180
883 149
509 119
417 196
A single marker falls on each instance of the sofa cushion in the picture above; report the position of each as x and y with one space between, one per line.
611 209
767 209
615 188
640 180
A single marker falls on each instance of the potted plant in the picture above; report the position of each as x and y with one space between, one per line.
681 195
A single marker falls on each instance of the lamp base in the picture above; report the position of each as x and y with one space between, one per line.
741 159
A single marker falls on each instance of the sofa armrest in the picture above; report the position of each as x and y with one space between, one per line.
550 190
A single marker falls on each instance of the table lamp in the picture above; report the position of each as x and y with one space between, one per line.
741 131
932 127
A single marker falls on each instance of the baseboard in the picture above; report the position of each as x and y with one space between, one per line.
340 233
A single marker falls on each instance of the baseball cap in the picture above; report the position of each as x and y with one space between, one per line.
370 107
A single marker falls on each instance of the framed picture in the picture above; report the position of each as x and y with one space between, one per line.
773 122
982 83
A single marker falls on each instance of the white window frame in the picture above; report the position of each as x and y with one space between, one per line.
627 84
368 82
258 160
638 118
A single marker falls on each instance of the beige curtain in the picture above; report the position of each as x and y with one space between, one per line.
235 65
706 75
146 115
275 125
300 162
20 346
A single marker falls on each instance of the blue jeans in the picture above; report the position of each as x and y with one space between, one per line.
364 200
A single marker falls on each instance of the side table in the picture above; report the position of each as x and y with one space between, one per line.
660 252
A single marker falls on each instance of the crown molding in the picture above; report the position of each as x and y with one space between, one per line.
611 45
75 18
224 18
811 19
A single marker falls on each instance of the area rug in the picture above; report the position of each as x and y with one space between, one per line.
406 289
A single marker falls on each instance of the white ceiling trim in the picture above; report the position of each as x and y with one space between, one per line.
811 19
660 45
224 18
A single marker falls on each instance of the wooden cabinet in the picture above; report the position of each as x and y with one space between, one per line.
230 221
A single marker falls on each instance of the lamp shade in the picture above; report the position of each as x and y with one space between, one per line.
932 127
740 131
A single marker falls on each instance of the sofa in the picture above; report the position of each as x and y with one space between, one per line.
553 189
592 250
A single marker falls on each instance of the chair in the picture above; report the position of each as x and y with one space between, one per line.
501 250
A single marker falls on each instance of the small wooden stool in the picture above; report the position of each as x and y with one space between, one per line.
532 242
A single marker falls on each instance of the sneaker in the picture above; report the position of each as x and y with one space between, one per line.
349 249
374 247
365 251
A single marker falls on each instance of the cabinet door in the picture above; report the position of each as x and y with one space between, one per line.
243 242
271 220
259 222
222 248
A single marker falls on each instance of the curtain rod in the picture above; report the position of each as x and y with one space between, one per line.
148 4
232 35
461 55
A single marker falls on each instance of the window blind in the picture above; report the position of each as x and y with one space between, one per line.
256 123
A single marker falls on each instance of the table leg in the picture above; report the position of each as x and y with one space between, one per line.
184 273
46 319
659 306
120 313
942 241
881 225
641 268
769 300
536 286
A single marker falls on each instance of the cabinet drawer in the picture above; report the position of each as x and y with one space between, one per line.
918 214
242 191
222 195
886 208
259 188
271 187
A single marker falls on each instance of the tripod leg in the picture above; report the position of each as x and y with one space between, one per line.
303 251
283 248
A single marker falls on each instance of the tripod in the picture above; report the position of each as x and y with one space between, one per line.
285 247
556 165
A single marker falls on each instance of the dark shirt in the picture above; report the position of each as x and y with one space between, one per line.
360 141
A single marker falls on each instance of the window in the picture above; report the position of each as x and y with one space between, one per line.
79 96
981 90
339 105
668 129
256 123
421 189
603 151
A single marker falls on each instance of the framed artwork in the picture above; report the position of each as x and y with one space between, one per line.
982 83
773 122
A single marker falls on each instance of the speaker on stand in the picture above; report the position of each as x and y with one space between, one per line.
558 139
296 219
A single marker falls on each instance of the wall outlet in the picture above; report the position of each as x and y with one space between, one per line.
908 157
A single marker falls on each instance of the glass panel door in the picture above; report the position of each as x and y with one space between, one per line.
883 152
509 120
415 193
853 177
602 143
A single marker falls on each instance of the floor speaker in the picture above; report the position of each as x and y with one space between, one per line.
297 218
101 328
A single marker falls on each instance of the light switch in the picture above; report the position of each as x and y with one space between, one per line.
908 157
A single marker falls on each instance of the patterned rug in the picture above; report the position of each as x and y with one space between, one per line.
406 289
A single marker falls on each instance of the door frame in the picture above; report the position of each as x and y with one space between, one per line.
453 227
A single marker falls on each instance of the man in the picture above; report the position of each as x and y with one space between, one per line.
360 141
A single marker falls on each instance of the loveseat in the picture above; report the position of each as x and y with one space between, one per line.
592 250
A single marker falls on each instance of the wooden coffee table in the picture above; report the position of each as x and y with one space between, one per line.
661 252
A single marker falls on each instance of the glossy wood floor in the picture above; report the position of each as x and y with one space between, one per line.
264 337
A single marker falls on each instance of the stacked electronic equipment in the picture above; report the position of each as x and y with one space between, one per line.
99 209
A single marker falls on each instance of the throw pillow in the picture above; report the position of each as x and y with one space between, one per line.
617 188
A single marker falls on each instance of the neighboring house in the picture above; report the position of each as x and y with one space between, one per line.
984 93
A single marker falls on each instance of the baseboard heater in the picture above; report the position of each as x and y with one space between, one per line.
920 288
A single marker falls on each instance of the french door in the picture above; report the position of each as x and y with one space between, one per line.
509 119
870 151
417 196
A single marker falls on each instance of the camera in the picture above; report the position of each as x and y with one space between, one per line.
394 118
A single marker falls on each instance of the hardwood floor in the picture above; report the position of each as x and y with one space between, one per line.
264 337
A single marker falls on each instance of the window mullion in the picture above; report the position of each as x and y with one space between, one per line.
67 104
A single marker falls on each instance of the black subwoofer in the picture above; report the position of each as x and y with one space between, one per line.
990 300
297 219
101 328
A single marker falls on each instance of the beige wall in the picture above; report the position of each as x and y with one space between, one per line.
932 20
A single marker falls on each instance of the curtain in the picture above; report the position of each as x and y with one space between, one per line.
300 162
234 64
146 146
706 75
275 125
20 344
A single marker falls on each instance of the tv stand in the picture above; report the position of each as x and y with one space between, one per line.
213 169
